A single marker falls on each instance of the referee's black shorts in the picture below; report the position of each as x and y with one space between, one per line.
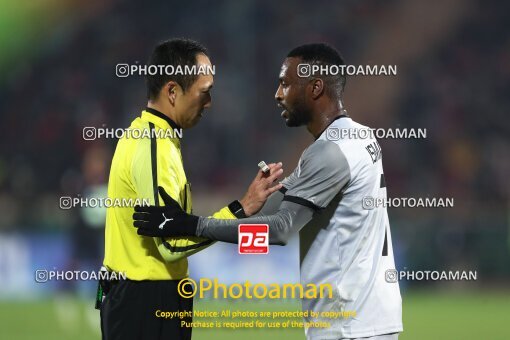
129 311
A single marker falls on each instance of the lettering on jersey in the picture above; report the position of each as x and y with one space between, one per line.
374 150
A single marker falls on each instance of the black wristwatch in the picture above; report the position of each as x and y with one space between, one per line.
236 208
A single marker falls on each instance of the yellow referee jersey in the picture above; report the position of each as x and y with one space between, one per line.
145 159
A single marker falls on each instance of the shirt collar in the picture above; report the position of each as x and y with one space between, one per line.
343 115
159 118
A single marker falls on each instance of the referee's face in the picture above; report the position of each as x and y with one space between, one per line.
291 94
191 104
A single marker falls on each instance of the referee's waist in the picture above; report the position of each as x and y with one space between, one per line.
126 274
147 285
136 273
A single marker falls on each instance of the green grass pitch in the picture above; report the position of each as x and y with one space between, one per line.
427 315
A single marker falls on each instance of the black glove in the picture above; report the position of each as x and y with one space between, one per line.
167 221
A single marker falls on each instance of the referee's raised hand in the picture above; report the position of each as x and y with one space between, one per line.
167 221
262 186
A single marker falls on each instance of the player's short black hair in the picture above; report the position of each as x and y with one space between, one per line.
323 54
173 52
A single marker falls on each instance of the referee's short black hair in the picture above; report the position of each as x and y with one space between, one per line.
173 52
323 54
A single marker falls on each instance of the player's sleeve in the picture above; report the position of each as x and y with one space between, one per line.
289 218
289 180
322 172
272 203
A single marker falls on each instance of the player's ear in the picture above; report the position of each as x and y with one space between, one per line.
317 87
171 89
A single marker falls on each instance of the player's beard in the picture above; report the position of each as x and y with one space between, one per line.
299 115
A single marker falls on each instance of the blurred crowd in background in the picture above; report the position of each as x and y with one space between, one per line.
453 79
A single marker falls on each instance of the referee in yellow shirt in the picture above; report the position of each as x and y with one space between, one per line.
154 266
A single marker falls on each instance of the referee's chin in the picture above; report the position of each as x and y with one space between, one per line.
191 123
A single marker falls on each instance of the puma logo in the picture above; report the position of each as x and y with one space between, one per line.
166 220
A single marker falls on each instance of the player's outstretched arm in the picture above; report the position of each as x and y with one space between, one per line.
155 221
323 172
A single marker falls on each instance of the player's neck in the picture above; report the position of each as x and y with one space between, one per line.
323 118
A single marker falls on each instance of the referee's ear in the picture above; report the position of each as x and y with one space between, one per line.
171 91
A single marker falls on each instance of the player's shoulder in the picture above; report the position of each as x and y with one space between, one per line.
323 155
359 126
351 138
321 148
349 134
349 129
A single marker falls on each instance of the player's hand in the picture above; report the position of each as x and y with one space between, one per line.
261 188
167 221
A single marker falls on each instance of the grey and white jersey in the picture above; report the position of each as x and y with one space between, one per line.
346 244
341 243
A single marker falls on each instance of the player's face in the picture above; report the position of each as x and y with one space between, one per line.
291 94
191 104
